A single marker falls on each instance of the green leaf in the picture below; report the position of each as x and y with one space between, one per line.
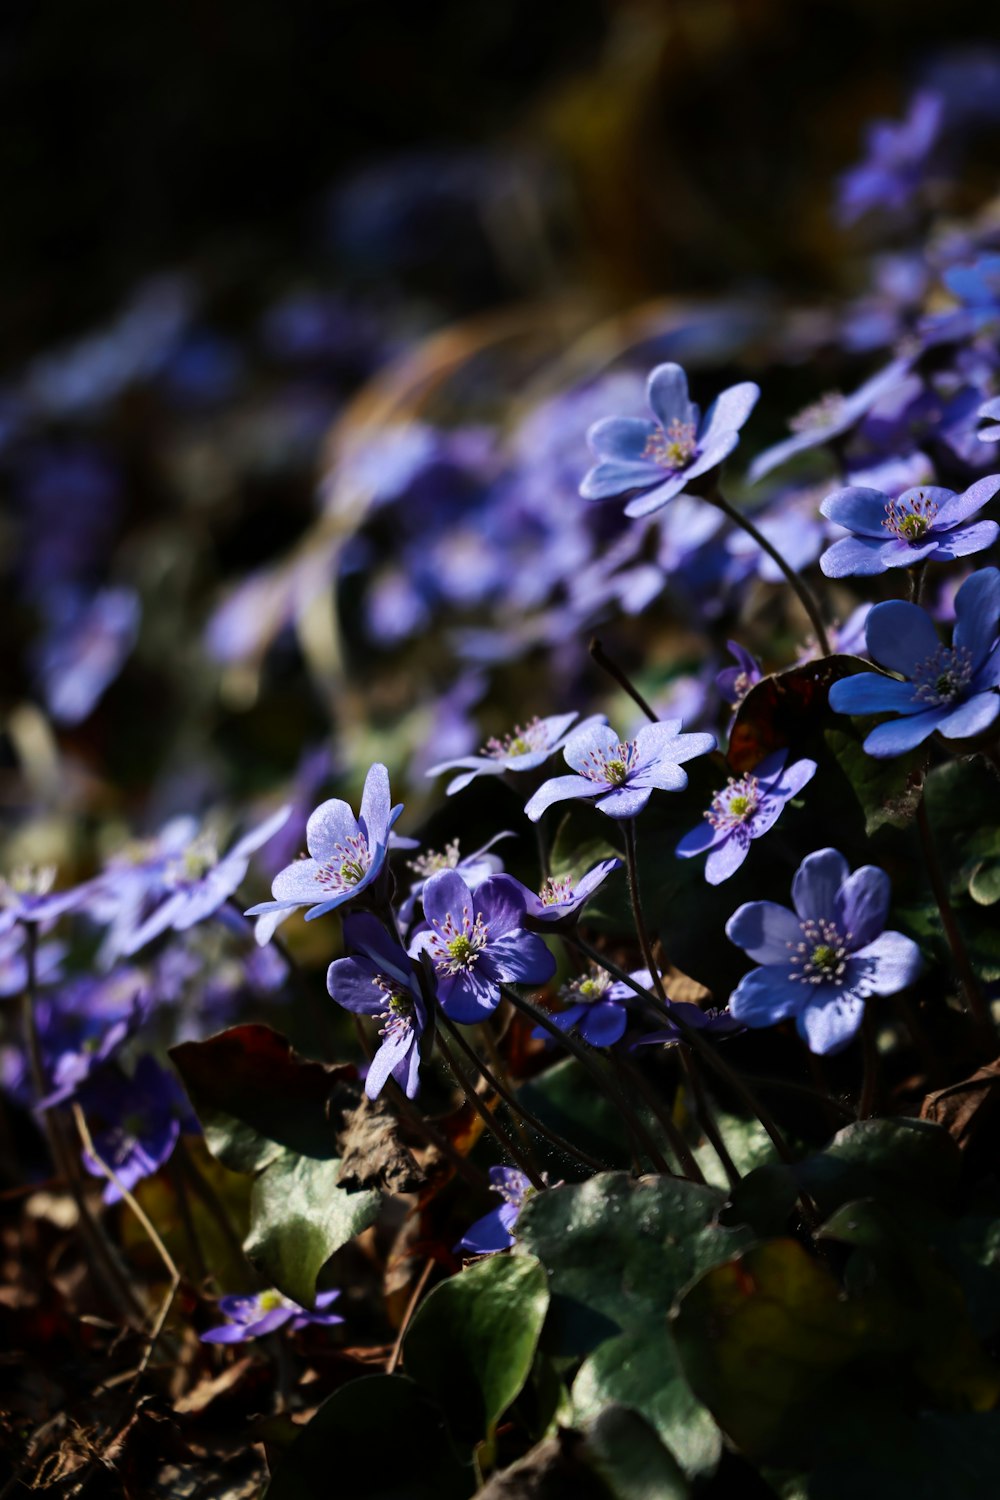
643 1371
472 1343
763 1339
984 882
564 1098
888 791
255 1096
377 1438
897 1161
624 1450
618 1251
747 1142
298 1218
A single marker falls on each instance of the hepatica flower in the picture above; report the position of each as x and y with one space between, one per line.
142 1122
346 853
660 458
621 775
989 413
743 811
476 941
821 962
378 980
735 682
198 881
561 897
951 689
924 524
495 1230
594 1006
250 1317
524 749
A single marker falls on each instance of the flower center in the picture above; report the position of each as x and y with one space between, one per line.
400 1009
456 945
826 412
821 956
736 805
588 988
673 447
944 676
512 1186
347 866
522 741
30 880
611 767
556 890
910 519
429 863
268 1301
200 856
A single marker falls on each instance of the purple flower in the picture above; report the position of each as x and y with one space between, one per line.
622 774
561 897
84 648
897 159
951 689
476 942
990 413
198 882
111 1010
250 1317
830 417
923 524
822 961
495 1231
743 811
718 1023
523 750
474 868
735 682
660 458
27 896
378 980
141 1122
346 854
595 1006
14 963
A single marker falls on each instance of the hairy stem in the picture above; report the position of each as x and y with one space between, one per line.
974 1000
802 591
504 1138
634 896
612 668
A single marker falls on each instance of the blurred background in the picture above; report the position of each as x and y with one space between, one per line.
225 223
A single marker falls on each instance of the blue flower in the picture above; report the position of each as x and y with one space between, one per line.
622 774
989 412
525 749
897 160
822 961
832 416
142 1120
660 458
594 1006
924 524
495 1230
250 1317
378 980
561 897
346 854
743 811
197 881
951 689
735 682
476 942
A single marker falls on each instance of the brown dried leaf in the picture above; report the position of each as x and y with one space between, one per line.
372 1153
967 1108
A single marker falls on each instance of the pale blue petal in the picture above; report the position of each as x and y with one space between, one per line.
816 883
765 996
766 932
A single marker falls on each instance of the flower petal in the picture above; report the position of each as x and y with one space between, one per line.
703 837
376 804
900 735
446 893
967 540
900 636
622 439
352 985
598 740
871 693
862 904
729 411
765 931
830 1020
977 611
893 961
331 823
816 883
971 717
854 557
388 1058
500 898
726 859
655 499
608 481
603 1024
558 789
628 802
958 508
766 996
667 394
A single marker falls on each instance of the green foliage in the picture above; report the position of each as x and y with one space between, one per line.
888 791
266 1111
472 1343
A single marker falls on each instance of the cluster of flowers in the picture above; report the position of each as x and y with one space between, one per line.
528 529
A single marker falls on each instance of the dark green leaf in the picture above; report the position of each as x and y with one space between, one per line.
299 1217
472 1343
255 1096
378 1438
889 791
624 1450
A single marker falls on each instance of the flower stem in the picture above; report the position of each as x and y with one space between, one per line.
974 1001
803 592
510 1097
675 1137
103 1255
633 891
612 668
869 1079
493 1126
633 1124
707 1120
